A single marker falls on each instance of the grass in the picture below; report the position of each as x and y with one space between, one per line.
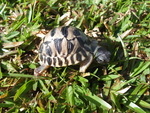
121 86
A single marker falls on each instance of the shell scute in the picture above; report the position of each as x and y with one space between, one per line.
54 61
83 52
76 32
46 42
44 59
53 31
59 61
58 44
41 57
64 31
41 48
72 59
70 46
48 50
87 48
80 40
49 60
79 57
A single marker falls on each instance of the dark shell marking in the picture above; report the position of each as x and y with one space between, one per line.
60 62
81 51
66 62
45 59
53 31
79 57
76 32
41 57
54 61
58 43
70 46
64 31
49 60
72 60
81 42
48 50
41 48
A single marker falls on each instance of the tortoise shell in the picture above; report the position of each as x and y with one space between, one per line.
64 46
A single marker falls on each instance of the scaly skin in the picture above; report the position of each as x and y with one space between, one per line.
39 70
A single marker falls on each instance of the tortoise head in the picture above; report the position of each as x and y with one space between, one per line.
101 55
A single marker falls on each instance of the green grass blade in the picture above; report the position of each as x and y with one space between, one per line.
70 95
17 25
93 98
25 86
136 108
45 90
144 104
98 101
109 77
142 66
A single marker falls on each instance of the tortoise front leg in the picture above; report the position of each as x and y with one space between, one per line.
40 69
86 63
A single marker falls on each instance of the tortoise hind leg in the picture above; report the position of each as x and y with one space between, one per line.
86 63
40 69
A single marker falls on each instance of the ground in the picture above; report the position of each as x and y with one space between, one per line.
122 85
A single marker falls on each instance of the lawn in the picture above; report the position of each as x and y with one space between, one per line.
121 86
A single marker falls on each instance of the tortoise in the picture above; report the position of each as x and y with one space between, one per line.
67 45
